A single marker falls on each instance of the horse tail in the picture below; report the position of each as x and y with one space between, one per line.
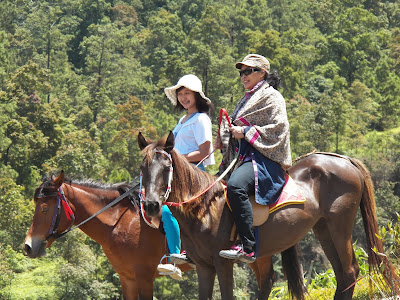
293 272
376 258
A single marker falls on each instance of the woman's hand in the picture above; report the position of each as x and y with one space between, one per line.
237 131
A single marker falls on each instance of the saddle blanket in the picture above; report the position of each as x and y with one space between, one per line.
290 195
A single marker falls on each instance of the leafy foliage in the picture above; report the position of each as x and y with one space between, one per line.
80 78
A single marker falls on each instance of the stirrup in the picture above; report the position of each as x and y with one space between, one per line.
173 270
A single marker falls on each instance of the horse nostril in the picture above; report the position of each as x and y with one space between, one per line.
27 249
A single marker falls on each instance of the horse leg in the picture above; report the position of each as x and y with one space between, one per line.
129 288
137 289
224 269
206 278
264 272
339 250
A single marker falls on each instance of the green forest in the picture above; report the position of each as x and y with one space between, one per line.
79 79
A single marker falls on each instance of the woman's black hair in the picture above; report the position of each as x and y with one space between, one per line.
202 105
273 79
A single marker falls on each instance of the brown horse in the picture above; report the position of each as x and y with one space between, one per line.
133 248
335 188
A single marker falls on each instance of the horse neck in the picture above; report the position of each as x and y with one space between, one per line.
189 181
86 201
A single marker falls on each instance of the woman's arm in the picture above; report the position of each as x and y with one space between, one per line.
198 155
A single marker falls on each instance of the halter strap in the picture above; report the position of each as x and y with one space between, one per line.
61 202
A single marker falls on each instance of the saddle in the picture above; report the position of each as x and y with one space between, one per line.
290 195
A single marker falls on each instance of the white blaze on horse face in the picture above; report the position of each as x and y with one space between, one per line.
157 177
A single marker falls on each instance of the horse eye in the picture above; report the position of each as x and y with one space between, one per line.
44 207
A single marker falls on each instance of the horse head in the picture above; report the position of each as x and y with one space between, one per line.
48 219
156 172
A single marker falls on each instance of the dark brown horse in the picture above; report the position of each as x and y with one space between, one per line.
133 248
335 188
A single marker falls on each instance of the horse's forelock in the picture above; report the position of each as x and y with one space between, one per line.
149 150
161 142
148 153
46 182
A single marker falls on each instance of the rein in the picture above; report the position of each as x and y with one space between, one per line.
222 112
210 186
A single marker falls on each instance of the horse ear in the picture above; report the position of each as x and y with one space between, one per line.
169 144
142 141
59 180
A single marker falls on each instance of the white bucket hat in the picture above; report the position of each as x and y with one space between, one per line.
192 82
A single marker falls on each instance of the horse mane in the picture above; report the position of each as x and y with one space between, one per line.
122 187
188 181
91 183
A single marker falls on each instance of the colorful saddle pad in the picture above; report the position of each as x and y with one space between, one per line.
290 195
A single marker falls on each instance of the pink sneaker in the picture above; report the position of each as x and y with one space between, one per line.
237 252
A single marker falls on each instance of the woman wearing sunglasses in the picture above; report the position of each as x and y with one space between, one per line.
193 139
260 124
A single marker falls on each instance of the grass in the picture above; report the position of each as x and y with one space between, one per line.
38 282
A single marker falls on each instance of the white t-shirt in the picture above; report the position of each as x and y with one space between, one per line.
194 132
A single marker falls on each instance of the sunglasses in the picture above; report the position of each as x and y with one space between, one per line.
247 72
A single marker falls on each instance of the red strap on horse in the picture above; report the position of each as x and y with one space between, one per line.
193 198
68 211
223 112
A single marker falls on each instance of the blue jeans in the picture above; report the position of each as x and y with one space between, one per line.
172 231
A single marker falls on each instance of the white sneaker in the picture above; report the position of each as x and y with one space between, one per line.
178 258
182 258
171 270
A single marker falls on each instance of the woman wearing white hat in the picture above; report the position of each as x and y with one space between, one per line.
193 139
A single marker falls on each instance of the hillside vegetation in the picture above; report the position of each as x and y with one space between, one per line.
80 78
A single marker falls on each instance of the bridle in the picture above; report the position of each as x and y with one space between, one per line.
52 233
55 221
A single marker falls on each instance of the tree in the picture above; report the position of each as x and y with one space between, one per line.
120 136
78 155
163 50
30 126
16 212
4 61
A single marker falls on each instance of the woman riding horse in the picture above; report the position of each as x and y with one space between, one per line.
261 125
193 139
